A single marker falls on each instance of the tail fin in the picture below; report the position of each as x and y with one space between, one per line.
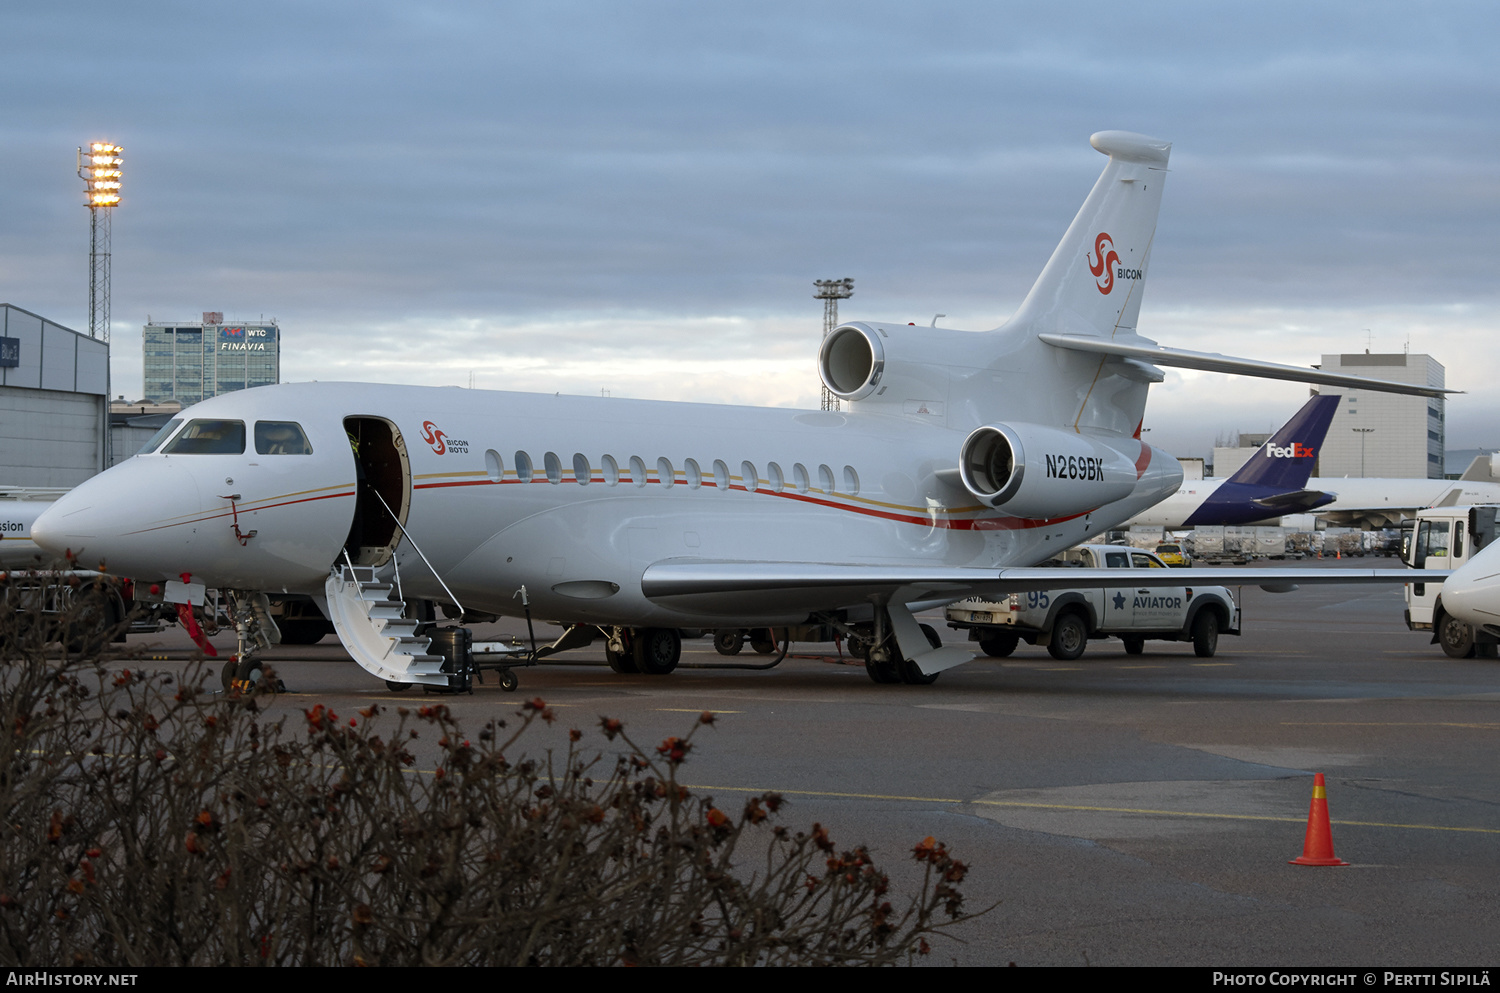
1093 282
1287 459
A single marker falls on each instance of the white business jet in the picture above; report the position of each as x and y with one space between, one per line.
960 460
1472 592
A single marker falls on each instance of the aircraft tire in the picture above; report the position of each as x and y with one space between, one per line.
90 622
728 641
657 650
998 644
226 675
396 687
763 640
304 630
621 662
882 672
1456 637
1205 634
1070 636
1134 644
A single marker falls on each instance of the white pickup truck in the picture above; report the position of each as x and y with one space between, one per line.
1063 620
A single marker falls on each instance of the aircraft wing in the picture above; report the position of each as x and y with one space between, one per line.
712 587
1214 362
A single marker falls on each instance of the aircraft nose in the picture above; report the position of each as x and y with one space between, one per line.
123 520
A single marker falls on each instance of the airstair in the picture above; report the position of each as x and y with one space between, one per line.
371 626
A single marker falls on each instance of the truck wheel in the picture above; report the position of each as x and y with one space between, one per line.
997 644
1134 644
728 641
1456 637
1205 634
1069 638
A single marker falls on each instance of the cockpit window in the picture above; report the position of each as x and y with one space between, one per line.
160 436
280 438
209 437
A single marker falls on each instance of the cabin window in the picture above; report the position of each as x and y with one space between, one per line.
799 477
638 470
748 476
554 467
825 478
209 437
611 470
523 467
160 436
493 467
694 475
851 481
774 476
583 473
280 438
664 473
721 475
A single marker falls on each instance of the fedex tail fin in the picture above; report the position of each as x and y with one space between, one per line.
1093 282
1286 460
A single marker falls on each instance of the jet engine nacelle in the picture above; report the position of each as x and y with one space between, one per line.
1039 472
886 362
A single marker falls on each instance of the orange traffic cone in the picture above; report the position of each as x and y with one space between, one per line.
1317 847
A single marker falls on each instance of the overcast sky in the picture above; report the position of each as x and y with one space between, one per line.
637 196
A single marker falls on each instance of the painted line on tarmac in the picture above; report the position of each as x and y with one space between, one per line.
1025 805
694 710
1481 726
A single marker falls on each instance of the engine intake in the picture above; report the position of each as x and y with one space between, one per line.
1040 473
852 361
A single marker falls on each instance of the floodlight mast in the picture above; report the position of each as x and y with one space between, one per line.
99 168
831 291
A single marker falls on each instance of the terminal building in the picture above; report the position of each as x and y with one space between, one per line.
54 411
188 362
1384 435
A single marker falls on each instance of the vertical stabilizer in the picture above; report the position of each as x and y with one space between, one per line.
1093 282
1286 459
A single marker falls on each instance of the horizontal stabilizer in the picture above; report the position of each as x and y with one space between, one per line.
711 587
1214 362
1296 502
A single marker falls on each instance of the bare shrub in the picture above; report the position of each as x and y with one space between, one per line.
148 822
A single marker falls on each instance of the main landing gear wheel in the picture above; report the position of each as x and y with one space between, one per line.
1456 637
763 640
657 650
883 672
728 641
396 687
623 662
910 673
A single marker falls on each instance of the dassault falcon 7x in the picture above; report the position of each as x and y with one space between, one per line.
960 460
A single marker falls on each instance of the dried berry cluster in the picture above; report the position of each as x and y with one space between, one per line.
149 823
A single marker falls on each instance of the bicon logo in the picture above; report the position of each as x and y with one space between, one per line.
434 437
1104 268
1296 450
